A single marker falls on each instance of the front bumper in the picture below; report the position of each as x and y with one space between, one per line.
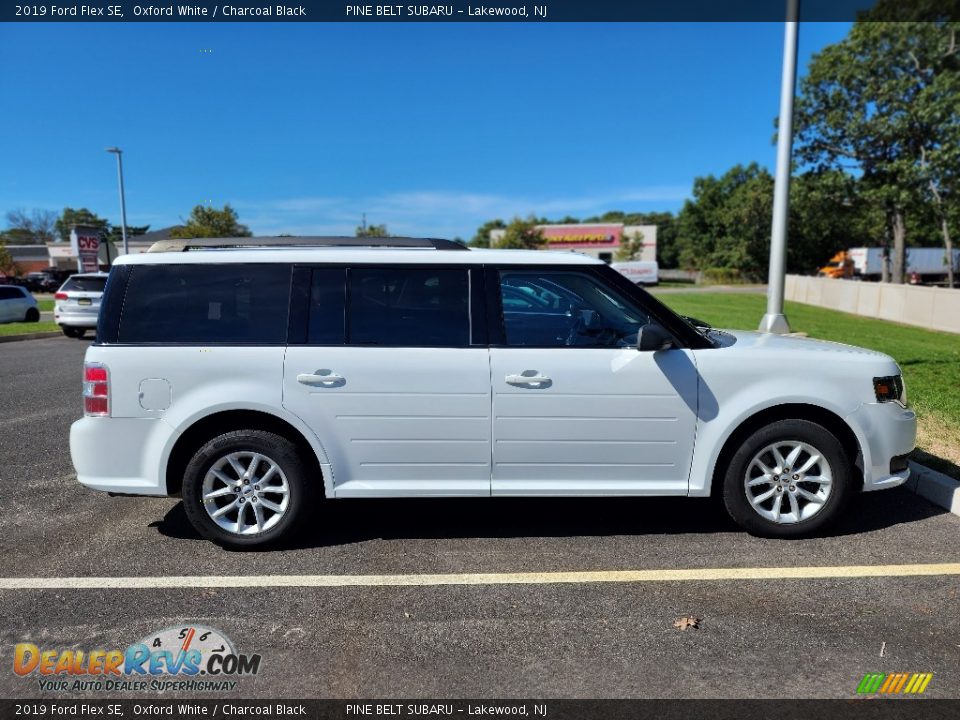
120 455
886 431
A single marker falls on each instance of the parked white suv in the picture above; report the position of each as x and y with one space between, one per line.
254 376
77 303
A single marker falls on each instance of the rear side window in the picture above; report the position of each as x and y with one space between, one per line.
205 304
9 293
409 307
84 284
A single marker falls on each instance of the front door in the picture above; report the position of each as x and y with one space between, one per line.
577 409
390 381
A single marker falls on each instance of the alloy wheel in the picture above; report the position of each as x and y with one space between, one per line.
788 482
245 493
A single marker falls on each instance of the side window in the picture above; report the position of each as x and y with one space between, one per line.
327 306
409 307
566 309
229 303
9 293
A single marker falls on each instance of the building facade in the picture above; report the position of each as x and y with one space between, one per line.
599 240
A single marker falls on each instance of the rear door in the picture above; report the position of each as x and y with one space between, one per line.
389 369
577 409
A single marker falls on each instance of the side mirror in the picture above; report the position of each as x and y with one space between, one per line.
651 337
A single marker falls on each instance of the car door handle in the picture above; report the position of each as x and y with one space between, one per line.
537 379
329 379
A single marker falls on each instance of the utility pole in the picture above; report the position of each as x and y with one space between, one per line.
775 321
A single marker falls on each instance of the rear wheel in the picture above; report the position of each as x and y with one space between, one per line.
72 332
246 489
33 315
788 479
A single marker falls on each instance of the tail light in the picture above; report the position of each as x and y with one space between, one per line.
60 296
96 390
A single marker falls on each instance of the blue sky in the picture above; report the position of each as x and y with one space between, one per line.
428 128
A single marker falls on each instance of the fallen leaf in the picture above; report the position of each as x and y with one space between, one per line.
686 622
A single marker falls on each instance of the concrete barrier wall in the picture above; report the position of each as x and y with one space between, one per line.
933 308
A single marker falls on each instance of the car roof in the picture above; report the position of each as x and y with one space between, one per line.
344 250
88 275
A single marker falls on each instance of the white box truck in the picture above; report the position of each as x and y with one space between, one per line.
641 272
866 263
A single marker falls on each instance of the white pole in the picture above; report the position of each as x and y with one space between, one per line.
123 206
123 202
775 321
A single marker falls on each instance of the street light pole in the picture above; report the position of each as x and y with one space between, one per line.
123 203
775 321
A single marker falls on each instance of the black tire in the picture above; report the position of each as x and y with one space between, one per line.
279 450
33 315
73 332
785 431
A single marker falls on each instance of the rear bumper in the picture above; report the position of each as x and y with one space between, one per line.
80 320
120 455
886 431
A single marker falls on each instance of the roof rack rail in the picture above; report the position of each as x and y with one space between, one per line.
187 244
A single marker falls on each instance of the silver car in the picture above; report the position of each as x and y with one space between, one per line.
17 305
78 303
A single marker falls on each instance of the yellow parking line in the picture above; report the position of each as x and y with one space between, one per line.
526 578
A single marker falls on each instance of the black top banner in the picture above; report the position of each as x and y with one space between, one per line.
473 11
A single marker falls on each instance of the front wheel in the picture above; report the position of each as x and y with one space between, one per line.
246 489
33 315
788 479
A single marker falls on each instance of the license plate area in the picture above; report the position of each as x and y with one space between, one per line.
84 301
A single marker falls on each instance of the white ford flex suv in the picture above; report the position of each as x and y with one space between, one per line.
257 377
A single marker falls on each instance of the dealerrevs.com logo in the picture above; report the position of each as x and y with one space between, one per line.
183 658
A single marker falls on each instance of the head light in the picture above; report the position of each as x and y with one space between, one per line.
890 389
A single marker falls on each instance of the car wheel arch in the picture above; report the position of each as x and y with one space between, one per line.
788 411
203 429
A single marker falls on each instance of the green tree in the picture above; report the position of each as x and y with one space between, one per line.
115 234
17 236
827 214
70 217
6 261
373 231
882 102
727 223
35 227
209 222
482 236
631 247
521 234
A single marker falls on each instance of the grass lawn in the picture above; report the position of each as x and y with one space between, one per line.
45 305
25 328
930 360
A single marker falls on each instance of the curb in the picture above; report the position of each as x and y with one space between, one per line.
29 336
934 486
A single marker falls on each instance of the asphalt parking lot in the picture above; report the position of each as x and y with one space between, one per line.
771 637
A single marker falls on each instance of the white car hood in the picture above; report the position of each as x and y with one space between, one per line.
744 339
